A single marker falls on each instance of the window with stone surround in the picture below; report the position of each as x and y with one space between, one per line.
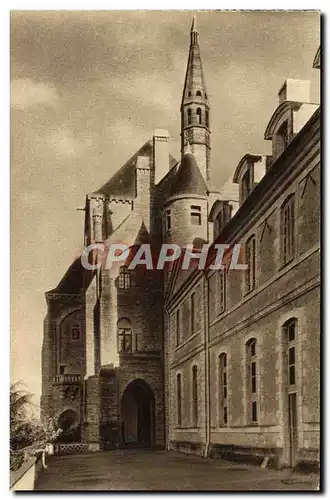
290 338
288 229
192 313
178 400
194 396
250 273
168 219
199 115
222 291
189 116
251 382
195 215
124 335
124 278
223 390
178 328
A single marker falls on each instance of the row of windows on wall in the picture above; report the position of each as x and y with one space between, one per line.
198 117
251 379
195 217
192 320
287 251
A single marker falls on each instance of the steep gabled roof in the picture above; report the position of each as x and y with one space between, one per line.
73 280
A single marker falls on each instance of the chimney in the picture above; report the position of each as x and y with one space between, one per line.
161 153
295 90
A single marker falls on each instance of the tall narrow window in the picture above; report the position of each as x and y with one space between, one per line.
246 183
178 400
195 215
124 278
192 313
252 395
189 116
178 327
282 138
199 115
207 119
194 397
250 252
290 347
124 335
222 291
168 219
288 228
223 392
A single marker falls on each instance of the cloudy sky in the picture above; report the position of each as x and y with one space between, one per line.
87 90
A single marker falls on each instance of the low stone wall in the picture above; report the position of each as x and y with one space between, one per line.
25 477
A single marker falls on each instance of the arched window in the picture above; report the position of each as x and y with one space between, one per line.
194 396
223 393
178 400
124 278
124 335
198 93
189 94
250 252
251 382
207 120
189 116
290 339
199 115
288 229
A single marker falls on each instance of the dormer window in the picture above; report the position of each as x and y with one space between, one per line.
195 215
247 183
282 138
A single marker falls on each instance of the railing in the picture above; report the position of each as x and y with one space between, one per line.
69 448
66 379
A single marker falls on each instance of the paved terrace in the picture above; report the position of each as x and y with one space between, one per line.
141 470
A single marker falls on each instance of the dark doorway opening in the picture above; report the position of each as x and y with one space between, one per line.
137 410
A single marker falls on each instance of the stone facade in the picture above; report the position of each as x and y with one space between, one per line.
219 363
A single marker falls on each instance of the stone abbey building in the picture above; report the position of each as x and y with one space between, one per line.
215 362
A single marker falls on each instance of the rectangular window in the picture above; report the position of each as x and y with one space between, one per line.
288 228
222 285
62 369
125 339
194 397
192 313
168 219
251 263
223 393
178 327
252 389
178 400
195 215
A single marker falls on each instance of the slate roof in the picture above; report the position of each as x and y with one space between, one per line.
188 179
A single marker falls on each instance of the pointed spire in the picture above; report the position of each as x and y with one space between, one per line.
194 24
194 32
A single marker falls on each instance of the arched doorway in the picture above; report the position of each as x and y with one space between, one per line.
68 423
137 414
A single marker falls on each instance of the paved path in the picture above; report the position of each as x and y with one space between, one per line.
138 470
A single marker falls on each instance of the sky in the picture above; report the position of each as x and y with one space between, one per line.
88 88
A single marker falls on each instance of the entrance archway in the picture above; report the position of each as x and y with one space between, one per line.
137 414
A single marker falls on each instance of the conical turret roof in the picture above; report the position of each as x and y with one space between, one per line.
188 179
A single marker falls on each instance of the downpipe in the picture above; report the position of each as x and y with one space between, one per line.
207 369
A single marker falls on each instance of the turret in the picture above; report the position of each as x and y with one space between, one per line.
195 109
185 209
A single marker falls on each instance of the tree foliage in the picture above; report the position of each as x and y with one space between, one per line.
28 434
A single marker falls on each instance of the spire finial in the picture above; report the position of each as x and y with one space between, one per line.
194 24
